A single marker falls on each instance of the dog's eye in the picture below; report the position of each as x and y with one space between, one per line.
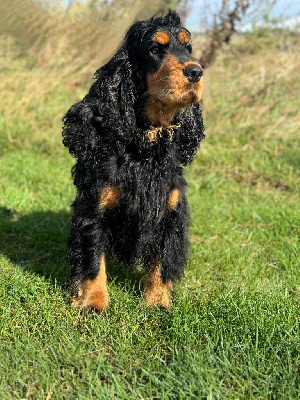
189 47
154 50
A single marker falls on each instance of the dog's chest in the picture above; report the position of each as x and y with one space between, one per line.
146 186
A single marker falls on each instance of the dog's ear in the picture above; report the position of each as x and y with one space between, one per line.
105 117
190 132
116 94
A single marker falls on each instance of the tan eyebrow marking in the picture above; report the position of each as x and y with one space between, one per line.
161 37
183 37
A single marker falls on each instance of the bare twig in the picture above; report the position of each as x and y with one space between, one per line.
223 29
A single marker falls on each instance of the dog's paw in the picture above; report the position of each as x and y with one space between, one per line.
155 297
98 301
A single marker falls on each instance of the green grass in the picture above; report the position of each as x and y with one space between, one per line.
233 329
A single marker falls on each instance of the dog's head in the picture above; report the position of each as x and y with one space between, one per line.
169 76
149 89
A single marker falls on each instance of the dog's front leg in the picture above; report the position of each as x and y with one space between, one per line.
93 293
157 291
88 243
164 269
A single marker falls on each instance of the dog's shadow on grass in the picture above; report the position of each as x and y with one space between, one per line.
37 242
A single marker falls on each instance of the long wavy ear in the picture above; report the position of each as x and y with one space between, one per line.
190 132
116 90
106 115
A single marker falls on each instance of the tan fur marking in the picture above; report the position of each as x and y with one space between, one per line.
169 90
109 197
173 199
155 132
161 37
160 114
93 293
183 37
201 87
157 292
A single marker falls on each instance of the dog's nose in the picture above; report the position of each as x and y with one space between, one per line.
193 73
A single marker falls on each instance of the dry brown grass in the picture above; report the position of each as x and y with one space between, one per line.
246 80
77 41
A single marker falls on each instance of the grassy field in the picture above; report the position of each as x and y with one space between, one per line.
233 329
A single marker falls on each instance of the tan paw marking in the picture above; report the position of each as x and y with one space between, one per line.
157 292
93 293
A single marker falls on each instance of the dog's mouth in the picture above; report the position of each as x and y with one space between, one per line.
162 103
183 95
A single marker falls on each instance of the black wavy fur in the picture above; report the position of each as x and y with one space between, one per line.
107 133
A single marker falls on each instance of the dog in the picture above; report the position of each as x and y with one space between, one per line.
140 122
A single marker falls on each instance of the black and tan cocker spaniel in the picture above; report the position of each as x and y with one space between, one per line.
131 134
